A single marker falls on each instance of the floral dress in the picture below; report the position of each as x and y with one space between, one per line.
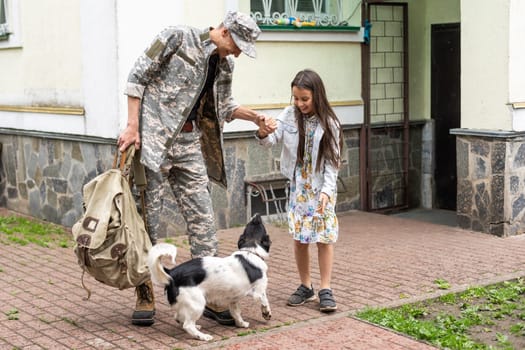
306 224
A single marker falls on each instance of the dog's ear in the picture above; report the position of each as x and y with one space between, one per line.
256 219
257 222
266 243
241 241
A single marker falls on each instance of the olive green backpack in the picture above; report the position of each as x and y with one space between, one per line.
111 242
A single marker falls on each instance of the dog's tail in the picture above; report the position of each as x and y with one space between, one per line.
160 256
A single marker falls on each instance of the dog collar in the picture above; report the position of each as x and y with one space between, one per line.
252 252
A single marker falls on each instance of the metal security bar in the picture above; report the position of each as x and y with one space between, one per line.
272 190
323 13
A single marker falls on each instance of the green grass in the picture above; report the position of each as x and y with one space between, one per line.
23 231
491 317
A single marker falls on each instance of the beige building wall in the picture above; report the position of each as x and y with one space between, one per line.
138 23
421 15
262 83
46 68
61 52
337 62
517 51
266 80
485 67
516 66
77 54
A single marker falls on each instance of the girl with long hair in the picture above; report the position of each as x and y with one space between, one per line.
311 156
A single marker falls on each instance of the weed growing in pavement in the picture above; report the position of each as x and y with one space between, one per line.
491 317
12 314
248 332
22 231
442 284
44 320
70 321
263 330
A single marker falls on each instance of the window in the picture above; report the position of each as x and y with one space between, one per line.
303 6
10 34
4 31
317 13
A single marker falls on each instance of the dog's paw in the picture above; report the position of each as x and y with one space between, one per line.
242 324
266 313
205 337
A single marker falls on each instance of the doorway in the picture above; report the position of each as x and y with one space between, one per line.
445 109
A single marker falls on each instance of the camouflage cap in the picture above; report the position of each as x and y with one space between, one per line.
243 30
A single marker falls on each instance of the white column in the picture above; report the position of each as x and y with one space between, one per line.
516 62
99 67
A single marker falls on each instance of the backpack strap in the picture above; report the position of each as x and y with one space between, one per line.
139 178
139 172
84 286
124 161
131 167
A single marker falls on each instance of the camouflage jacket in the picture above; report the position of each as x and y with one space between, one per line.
168 77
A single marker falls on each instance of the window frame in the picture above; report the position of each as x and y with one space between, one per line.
321 33
325 20
4 28
12 38
302 14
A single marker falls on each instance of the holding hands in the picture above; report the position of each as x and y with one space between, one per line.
267 125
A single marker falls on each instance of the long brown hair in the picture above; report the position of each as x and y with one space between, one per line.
330 148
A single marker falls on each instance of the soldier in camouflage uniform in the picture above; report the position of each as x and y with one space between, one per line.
179 95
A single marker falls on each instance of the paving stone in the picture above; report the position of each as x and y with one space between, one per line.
379 261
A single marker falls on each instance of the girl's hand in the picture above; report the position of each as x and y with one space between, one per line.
267 125
323 201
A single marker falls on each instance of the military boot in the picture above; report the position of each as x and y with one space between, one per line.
145 308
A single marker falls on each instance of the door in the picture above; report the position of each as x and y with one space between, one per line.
445 110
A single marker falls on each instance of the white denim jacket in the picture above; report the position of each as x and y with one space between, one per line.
287 133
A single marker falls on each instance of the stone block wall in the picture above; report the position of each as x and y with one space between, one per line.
491 183
244 157
43 176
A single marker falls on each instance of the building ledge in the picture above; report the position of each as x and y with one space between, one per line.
503 134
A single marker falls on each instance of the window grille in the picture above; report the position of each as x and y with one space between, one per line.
317 13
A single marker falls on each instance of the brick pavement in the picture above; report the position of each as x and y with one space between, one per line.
380 261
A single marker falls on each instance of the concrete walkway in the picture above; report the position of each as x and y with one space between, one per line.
380 261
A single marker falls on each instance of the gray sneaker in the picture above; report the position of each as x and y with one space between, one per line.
327 301
301 296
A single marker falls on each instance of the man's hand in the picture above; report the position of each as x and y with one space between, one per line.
128 137
267 125
131 133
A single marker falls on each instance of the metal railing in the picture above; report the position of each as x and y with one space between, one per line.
322 13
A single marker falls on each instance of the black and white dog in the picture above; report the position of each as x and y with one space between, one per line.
213 280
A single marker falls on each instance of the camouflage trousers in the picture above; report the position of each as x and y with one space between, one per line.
185 172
